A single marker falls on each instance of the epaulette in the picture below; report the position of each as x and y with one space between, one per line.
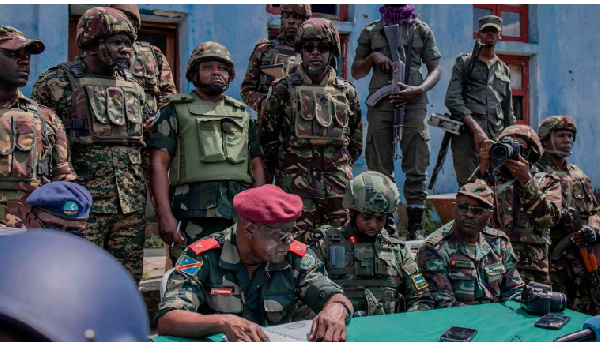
437 236
298 248
204 245
234 102
180 98
493 232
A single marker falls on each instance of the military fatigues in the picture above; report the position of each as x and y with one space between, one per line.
312 144
567 271
460 274
378 278
415 135
105 152
210 278
204 182
488 98
33 151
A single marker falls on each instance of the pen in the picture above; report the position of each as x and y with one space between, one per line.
177 233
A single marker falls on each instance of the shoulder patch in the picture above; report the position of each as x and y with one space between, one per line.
298 248
308 262
234 102
180 98
202 246
188 266
420 282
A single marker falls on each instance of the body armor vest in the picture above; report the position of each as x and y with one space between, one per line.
144 69
320 113
212 140
105 110
281 54
25 152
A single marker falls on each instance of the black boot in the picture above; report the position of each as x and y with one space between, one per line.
415 220
390 226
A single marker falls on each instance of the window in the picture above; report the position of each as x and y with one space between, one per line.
515 20
335 11
519 84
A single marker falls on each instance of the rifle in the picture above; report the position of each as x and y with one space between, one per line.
447 135
401 74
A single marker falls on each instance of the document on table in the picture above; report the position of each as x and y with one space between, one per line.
288 332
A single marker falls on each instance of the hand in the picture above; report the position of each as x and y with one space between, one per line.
148 124
484 155
585 238
382 62
167 229
481 138
519 169
329 324
237 328
407 94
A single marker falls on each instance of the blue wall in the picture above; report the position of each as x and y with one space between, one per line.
564 68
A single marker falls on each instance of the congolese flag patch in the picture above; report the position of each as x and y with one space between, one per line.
189 266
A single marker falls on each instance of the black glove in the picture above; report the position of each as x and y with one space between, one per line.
586 237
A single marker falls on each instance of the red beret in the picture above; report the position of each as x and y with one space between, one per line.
268 204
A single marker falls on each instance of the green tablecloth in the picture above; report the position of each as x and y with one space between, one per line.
494 322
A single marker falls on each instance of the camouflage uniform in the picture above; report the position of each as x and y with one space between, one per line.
536 206
210 278
33 143
487 97
312 136
269 52
105 145
458 275
567 272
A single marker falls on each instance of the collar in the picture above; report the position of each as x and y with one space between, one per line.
283 39
483 248
329 78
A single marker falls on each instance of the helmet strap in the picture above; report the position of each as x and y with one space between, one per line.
211 89
555 151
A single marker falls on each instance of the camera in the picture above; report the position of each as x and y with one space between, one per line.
537 299
506 148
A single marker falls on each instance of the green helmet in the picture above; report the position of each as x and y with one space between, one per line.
303 10
209 51
556 123
101 22
320 29
132 12
371 192
528 134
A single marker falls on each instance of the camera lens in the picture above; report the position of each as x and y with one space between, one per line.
558 301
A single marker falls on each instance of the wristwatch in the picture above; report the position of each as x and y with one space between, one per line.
348 312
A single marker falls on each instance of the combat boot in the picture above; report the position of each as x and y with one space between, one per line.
415 219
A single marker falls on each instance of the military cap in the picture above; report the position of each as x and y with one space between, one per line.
556 123
65 200
528 134
303 10
478 190
131 11
267 204
13 39
491 20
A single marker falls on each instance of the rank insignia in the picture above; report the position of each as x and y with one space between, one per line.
220 291
189 266
420 282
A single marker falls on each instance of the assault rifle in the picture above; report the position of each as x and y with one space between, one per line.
448 134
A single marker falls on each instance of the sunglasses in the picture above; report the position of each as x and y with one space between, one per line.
322 48
476 210
286 235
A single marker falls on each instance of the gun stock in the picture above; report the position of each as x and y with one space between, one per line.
275 71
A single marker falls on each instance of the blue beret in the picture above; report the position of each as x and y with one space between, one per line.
62 199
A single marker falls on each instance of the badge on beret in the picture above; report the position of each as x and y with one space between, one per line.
70 208
189 266
420 282
308 261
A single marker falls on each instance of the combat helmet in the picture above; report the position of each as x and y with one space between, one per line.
321 29
371 192
528 134
556 123
132 12
98 23
209 51
303 10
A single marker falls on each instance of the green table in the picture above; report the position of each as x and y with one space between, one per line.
494 321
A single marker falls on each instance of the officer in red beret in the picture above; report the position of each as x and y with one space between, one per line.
252 274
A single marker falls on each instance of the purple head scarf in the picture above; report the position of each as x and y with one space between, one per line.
395 15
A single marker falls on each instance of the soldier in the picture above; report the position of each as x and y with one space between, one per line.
252 274
33 148
194 176
567 271
483 102
376 271
467 262
60 205
101 105
529 202
267 53
311 129
373 51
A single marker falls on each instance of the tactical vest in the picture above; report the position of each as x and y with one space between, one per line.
280 54
105 110
144 68
212 140
321 113
359 269
25 152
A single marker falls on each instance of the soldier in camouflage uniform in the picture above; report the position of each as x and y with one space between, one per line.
376 271
567 271
272 52
251 274
33 142
372 51
467 262
102 106
311 129
483 103
529 201
195 177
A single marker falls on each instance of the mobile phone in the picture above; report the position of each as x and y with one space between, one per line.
455 333
551 321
